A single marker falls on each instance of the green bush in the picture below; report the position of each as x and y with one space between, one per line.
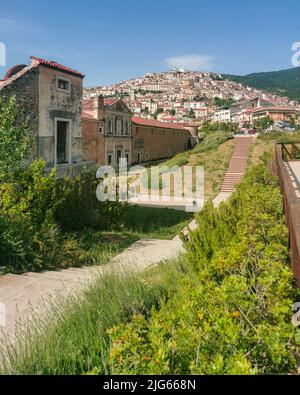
234 316
36 209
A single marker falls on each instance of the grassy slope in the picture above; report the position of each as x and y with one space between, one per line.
215 161
284 82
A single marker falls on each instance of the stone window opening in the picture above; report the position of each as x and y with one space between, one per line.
62 84
109 159
110 126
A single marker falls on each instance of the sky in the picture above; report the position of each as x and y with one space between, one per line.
113 40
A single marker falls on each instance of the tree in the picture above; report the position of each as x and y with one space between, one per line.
192 113
226 103
263 123
157 112
293 120
14 136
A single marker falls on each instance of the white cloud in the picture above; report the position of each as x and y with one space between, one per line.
191 62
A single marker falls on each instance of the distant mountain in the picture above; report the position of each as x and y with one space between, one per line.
283 83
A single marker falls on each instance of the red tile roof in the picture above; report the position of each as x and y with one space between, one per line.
109 101
54 65
274 109
157 124
85 115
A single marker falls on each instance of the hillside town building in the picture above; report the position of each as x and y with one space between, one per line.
50 97
277 114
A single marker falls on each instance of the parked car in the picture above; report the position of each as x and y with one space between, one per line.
252 131
289 129
240 132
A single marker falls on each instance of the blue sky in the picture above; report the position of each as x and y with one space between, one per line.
113 40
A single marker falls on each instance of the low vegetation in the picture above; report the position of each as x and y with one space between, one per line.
222 308
213 153
72 337
234 315
46 223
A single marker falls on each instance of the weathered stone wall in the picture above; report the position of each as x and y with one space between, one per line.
63 105
26 91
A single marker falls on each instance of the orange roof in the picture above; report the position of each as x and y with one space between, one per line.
273 109
157 124
85 115
109 101
54 65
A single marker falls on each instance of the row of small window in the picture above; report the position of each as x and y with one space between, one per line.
178 133
124 129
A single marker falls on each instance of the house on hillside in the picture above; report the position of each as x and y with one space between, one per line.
50 96
222 115
277 114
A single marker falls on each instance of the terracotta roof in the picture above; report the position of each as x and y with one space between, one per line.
109 101
157 124
85 115
54 65
272 109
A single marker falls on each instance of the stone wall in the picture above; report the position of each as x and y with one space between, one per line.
26 91
55 104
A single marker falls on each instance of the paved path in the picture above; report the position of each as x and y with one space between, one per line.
23 293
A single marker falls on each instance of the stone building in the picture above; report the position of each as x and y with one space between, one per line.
107 132
50 97
110 133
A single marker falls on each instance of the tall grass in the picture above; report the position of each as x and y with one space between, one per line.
70 337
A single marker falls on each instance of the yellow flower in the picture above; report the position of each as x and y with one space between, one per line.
200 316
236 314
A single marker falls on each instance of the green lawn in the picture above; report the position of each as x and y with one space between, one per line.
90 247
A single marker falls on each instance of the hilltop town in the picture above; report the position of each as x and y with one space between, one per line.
187 97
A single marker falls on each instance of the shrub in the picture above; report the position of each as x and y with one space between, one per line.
233 317
36 209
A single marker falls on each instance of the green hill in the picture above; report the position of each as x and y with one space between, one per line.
284 82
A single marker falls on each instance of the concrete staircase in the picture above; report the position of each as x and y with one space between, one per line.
237 165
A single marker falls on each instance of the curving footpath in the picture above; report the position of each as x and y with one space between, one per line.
29 293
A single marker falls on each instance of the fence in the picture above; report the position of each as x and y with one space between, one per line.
285 152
